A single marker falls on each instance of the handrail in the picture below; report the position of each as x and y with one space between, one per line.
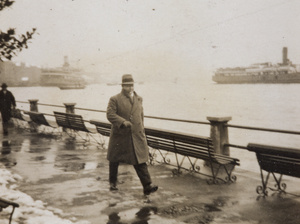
43 104
235 146
183 120
93 110
263 129
104 111
179 120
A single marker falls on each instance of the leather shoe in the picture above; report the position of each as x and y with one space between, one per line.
150 189
113 187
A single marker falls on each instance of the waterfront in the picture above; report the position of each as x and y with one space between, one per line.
259 105
59 181
68 183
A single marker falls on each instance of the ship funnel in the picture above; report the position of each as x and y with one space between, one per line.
66 62
285 59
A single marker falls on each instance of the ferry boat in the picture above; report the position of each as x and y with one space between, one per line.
62 79
284 72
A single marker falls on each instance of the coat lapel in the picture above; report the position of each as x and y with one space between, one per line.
136 101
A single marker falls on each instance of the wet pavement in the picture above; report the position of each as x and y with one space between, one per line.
66 175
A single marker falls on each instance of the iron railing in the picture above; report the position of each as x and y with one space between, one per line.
185 121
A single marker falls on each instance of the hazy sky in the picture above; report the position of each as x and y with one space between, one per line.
155 38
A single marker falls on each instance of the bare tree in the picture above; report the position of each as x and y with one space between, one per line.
10 42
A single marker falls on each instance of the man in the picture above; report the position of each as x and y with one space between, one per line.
127 143
7 101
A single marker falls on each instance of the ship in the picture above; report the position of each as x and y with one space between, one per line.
285 72
63 77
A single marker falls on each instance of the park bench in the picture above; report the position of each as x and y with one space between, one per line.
102 128
74 124
274 159
189 146
5 203
192 147
39 120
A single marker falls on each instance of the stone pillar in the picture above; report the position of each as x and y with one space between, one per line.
70 107
33 105
219 134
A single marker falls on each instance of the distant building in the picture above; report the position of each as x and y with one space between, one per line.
19 75
22 75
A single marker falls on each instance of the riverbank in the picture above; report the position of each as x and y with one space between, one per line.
60 181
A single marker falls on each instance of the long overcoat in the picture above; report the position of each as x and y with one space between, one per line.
6 102
127 145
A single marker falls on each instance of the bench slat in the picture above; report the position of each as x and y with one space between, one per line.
40 119
103 131
71 121
276 159
274 150
198 147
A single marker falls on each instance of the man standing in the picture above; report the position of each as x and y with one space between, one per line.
7 101
127 143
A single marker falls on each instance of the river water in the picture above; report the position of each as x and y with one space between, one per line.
258 105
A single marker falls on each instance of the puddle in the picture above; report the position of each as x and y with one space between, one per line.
7 162
220 201
86 200
6 149
34 146
39 158
217 204
69 162
211 208
181 209
67 157
70 166
133 216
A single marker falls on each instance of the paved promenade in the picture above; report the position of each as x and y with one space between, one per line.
70 182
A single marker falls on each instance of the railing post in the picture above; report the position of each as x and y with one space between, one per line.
70 108
33 105
219 134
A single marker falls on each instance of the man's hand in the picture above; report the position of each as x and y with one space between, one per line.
127 124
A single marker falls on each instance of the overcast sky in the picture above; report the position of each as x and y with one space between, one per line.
156 37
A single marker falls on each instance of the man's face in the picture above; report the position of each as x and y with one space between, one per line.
128 88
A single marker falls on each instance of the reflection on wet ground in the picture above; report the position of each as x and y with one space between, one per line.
141 217
5 154
6 149
65 175
69 162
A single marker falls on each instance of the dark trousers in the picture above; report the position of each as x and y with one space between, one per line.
141 170
5 118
